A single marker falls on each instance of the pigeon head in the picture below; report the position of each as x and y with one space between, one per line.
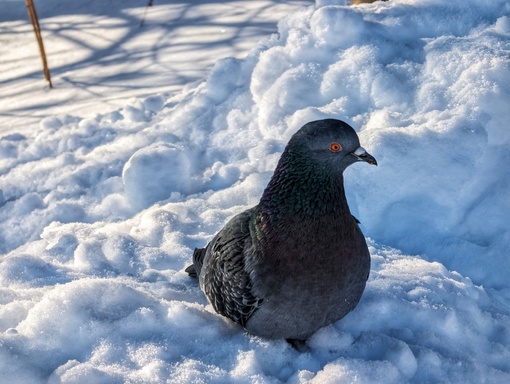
308 178
330 143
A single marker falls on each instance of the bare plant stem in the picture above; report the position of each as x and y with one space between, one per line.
37 29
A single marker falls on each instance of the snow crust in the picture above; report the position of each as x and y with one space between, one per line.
99 216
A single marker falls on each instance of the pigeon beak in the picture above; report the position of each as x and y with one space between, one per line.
363 155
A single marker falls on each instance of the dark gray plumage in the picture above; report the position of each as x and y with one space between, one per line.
297 261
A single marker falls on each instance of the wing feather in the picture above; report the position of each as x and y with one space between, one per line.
224 276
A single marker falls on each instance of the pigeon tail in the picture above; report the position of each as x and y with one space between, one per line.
198 260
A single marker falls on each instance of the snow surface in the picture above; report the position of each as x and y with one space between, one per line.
99 57
99 215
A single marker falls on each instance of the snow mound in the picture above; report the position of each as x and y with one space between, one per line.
155 172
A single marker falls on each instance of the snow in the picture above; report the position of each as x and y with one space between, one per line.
100 58
100 212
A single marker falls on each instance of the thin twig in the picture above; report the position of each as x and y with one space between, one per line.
37 29
149 4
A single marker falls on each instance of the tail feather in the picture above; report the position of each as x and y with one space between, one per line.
198 260
191 271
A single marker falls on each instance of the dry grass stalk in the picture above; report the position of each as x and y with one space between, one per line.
37 29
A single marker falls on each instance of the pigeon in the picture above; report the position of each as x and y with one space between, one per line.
297 261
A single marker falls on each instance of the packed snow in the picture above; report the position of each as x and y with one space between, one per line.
100 57
100 215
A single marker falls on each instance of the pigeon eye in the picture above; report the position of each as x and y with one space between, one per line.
335 147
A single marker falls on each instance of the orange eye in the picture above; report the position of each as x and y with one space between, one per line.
335 147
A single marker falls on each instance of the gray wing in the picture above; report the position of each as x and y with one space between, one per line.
224 277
